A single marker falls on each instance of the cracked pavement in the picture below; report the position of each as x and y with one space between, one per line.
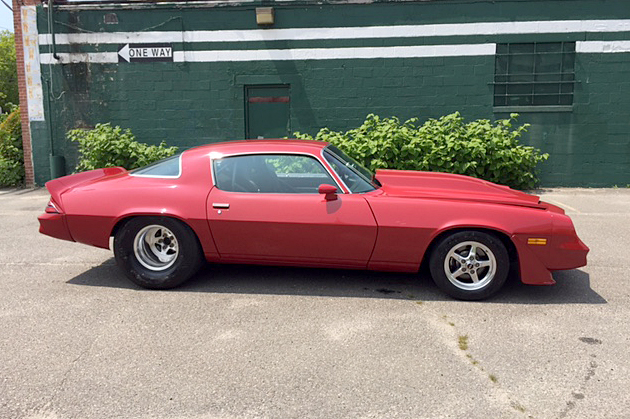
77 340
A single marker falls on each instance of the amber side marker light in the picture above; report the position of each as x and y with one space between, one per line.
537 242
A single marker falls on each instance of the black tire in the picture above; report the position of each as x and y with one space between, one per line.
157 252
454 268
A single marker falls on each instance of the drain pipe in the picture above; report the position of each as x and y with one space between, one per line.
57 163
51 29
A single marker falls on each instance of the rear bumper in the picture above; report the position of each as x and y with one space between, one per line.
54 225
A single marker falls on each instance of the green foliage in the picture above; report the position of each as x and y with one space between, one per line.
294 164
9 94
107 146
11 155
11 172
480 148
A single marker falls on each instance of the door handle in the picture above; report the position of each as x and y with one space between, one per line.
219 205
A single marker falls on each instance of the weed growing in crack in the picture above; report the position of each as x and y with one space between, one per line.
463 342
517 406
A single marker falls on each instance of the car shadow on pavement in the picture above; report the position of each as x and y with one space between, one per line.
573 287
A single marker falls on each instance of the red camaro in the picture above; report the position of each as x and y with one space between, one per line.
306 203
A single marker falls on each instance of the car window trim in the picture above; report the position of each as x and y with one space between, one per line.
330 148
271 153
329 166
351 168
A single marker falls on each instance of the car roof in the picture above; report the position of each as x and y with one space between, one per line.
261 146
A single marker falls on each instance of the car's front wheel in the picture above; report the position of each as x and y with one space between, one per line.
157 252
470 265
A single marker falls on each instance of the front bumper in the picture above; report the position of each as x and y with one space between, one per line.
569 254
537 262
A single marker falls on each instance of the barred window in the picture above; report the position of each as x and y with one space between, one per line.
534 74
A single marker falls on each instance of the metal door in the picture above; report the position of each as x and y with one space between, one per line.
267 112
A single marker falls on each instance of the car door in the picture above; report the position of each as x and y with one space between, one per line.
266 208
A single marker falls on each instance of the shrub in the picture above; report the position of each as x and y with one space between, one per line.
11 172
11 154
480 148
107 146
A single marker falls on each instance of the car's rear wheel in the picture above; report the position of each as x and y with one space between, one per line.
157 252
470 265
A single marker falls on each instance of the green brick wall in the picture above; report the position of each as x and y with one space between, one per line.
192 103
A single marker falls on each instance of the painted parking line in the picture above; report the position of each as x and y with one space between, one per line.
562 205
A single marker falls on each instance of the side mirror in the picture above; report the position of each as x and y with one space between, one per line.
329 190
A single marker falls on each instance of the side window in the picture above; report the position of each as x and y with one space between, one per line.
271 173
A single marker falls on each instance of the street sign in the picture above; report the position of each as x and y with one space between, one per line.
135 53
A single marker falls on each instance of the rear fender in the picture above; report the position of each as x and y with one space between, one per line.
57 187
199 227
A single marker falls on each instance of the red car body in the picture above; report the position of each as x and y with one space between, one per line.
390 228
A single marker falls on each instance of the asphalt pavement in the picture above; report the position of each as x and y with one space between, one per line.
78 340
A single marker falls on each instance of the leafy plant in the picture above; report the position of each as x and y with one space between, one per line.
480 148
11 155
107 146
8 71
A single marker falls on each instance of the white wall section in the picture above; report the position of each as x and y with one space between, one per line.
35 95
602 46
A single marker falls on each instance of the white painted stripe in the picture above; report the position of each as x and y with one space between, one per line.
363 32
336 53
80 57
34 92
602 46
293 54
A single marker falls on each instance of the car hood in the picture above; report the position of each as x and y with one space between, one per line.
435 185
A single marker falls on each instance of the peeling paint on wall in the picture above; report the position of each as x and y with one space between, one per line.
31 64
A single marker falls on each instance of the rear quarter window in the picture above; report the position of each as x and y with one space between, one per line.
169 167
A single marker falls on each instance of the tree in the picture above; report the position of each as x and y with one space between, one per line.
9 94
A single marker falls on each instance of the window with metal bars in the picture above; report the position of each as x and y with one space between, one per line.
534 74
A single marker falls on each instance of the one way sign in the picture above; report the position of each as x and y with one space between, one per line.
132 53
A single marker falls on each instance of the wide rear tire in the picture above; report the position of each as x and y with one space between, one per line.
470 265
157 252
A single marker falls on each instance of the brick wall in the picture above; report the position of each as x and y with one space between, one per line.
19 51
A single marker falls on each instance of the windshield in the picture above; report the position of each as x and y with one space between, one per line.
356 177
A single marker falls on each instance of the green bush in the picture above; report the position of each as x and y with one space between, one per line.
107 146
480 148
11 154
11 172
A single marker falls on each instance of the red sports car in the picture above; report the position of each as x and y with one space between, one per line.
306 203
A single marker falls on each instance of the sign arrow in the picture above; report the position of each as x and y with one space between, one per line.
123 53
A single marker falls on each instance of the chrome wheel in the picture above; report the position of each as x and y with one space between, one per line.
156 247
470 265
